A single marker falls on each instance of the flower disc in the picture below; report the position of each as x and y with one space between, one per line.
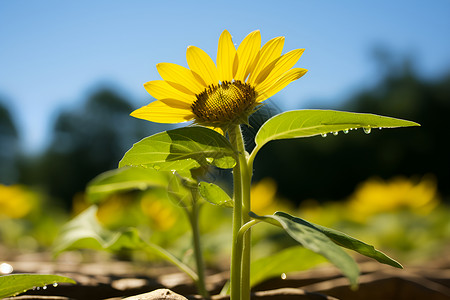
224 104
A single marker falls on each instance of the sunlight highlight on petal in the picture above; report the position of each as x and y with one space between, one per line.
226 52
246 54
202 64
179 75
175 103
160 89
160 112
269 52
281 83
283 64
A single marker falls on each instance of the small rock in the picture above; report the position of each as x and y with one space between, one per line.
161 294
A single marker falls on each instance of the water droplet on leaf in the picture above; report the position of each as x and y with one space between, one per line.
55 284
323 134
283 276
6 268
335 132
367 130
345 131
44 287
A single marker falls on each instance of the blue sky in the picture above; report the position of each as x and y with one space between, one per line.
54 53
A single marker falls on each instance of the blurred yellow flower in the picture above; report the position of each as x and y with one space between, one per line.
115 209
163 215
16 201
377 196
222 94
264 200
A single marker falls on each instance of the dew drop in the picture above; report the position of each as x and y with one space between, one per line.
55 284
380 128
38 288
44 287
210 160
283 276
367 130
335 132
345 131
5 268
323 134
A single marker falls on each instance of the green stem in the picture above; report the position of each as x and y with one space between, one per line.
251 157
163 253
240 254
245 271
194 218
246 227
236 250
239 243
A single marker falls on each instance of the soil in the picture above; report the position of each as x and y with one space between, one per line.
106 279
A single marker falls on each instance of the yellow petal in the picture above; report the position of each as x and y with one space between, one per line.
160 112
269 52
274 70
281 83
160 89
246 54
180 76
200 62
177 104
217 129
226 52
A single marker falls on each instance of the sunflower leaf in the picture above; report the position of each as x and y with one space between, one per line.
124 179
315 240
306 123
86 232
12 285
181 149
348 242
214 194
292 259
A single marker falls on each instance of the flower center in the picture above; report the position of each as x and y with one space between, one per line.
224 104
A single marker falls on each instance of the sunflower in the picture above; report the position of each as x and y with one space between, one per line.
223 94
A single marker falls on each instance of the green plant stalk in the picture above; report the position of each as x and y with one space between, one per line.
236 250
164 254
240 253
194 219
246 207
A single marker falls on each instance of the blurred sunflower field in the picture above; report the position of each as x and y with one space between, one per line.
402 216
28 221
